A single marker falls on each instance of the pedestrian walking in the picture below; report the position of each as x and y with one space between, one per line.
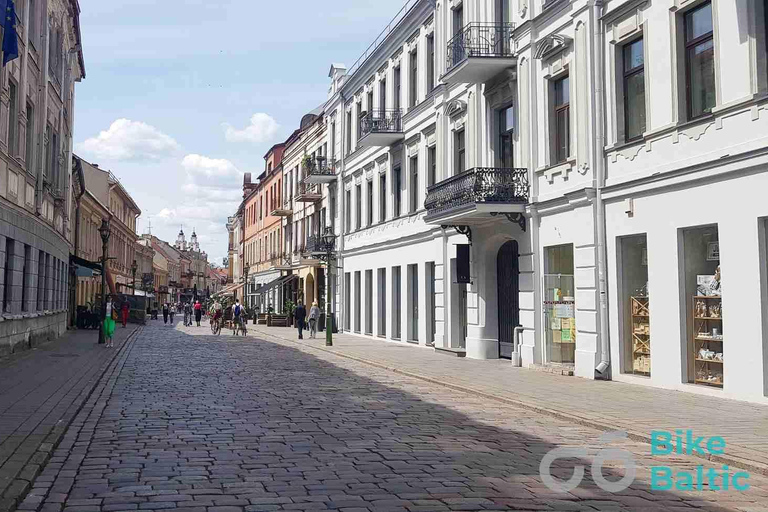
171 312
165 313
125 310
314 318
187 314
198 312
301 315
110 315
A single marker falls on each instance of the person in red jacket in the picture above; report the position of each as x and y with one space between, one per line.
198 312
125 310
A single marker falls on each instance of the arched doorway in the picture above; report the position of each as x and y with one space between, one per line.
309 290
508 287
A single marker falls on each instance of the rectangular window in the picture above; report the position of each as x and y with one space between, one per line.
430 63
634 90
41 268
559 304
369 201
413 79
699 61
13 119
348 211
360 116
398 86
431 165
703 299
429 281
383 95
397 191
562 120
369 106
357 301
347 301
506 129
333 142
396 306
348 142
459 153
8 274
369 302
26 278
30 140
635 305
381 279
358 206
382 197
413 186
413 303
458 19
332 206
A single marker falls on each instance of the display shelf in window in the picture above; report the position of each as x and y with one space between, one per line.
708 340
641 335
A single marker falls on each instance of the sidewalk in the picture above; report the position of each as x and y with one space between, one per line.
605 405
41 390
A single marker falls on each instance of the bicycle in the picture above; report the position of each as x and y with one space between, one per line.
215 326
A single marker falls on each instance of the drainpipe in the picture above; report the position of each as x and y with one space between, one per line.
517 358
599 158
341 203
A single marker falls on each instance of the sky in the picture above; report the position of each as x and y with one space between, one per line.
181 97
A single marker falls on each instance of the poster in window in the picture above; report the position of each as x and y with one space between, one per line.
713 251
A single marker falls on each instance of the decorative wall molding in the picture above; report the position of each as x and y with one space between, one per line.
455 107
551 45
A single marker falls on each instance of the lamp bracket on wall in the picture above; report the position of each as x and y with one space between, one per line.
464 230
515 218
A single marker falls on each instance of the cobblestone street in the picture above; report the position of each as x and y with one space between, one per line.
192 422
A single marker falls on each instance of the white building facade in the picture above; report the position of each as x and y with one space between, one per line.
555 165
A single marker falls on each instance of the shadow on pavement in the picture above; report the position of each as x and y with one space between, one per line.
226 421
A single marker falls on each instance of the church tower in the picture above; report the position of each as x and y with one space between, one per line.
181 243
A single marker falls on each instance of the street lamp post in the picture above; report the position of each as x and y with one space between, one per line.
245 289
104 231
329 244
134 268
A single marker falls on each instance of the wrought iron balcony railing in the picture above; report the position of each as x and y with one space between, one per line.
304 189
482 185
480 40
317 244
382 121
318 166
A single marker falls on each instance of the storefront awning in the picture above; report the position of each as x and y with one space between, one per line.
83 267
277 282
230 289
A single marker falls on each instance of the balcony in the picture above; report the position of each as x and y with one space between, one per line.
381 128
319 170
283 210
479 52
308 192
476 195
317 245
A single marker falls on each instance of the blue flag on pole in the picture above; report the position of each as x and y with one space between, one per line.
10 42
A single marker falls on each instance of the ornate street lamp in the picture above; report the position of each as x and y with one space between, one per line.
134 268
328 240
104 231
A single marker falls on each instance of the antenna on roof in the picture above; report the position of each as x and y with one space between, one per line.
149 226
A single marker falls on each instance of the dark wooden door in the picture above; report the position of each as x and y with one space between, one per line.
508 287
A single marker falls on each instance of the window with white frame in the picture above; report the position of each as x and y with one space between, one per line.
699 60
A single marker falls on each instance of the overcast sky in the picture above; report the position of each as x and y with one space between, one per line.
181 97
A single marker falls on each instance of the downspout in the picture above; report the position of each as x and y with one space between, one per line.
599 157
78 169
340 201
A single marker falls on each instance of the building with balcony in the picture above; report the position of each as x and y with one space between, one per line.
36 201
309 177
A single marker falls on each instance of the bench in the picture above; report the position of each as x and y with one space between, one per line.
278 321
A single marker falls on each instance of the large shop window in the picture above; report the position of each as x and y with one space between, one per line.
635 303
559 304
702 289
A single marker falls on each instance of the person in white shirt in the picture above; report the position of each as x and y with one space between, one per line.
314 318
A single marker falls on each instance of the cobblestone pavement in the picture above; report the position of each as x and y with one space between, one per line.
192 422
41 390
629 407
